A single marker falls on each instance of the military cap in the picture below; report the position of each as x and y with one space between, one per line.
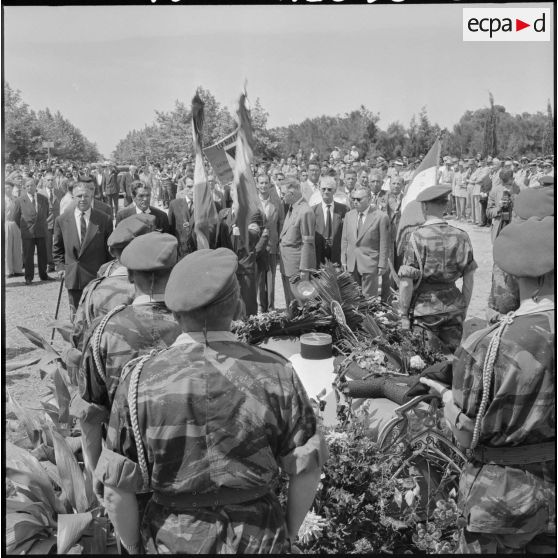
434 193
398 162
548 163
130 228
210 276
150 252
524 159
526 248
534 202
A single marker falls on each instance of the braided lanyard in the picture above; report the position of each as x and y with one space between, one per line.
133 404
96 342
487 373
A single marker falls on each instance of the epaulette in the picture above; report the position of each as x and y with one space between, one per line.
96 340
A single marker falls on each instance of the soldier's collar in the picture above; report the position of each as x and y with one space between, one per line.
435 221
531 307
146 299
198 337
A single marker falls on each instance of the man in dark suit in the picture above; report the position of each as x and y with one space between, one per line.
80 244
141 195
365 242
53 195
30 214
111 187
181 218
125 180
329 223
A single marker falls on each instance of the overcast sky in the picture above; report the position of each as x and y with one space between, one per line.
107 69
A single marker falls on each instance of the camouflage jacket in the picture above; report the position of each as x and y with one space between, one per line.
504 291
446 255
521 411
130 332
99 297
223 415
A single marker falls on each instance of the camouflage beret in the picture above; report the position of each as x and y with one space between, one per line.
130 228
547 180
526 248
434 192
534 202
150 252
202 278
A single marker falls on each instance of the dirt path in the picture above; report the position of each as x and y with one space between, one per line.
34 306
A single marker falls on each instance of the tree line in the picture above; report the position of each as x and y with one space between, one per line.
25 131
489 131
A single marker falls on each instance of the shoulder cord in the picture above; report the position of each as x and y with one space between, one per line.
87 297
109 268
133 403
96 342
487 371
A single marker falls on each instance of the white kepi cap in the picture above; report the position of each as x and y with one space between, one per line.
314 366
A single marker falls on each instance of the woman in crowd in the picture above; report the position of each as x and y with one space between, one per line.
13 245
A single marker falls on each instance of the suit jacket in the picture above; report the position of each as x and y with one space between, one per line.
274 223
32 223
104 207
125 180
297 239
54 206
111 185
81 263
339 211
161 219
181 221
370 248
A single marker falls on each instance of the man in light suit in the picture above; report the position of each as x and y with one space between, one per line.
267 266
296 239
80 244
365 242
30 214
329 223
141 196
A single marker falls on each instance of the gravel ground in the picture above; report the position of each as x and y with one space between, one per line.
33 307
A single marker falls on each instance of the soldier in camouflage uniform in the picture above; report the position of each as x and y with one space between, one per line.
204 426
124 333
436 256
502 402
111 288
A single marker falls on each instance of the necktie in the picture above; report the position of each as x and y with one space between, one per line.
328 221
359 222
34 202
83 227
289 213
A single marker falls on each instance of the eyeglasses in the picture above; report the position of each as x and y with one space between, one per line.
358 199
326 189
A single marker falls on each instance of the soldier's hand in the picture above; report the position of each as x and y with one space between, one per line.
443 391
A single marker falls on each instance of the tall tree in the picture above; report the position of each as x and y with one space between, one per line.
490 144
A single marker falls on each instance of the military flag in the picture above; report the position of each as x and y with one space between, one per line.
425 176
205 212
243 191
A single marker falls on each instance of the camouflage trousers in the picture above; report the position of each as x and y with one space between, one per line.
492 543
441 332
256 527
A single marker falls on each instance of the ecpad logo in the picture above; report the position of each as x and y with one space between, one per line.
506 24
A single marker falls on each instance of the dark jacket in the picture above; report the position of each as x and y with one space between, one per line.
81 263
161 219
339 211
32 223
181 221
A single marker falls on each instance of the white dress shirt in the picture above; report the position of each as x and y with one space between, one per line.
77 217
139 211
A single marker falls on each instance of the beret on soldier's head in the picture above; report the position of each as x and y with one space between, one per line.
202 278
534 202
130 228
526 248
433 193
152 251
547 180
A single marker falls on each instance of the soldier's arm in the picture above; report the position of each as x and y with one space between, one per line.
468 283
301 494
122 508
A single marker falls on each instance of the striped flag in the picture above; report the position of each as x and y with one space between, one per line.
205 212
425 176
245 196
